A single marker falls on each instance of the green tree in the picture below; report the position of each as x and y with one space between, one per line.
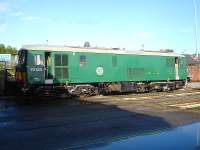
7 50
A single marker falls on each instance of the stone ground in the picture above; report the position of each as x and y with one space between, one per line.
56 123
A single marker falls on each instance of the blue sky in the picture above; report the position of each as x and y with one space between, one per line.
106 23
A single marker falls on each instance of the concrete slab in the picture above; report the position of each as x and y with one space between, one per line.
194 85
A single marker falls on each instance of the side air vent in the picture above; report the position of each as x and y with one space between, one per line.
135 72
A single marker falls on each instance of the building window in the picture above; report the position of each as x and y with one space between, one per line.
82 60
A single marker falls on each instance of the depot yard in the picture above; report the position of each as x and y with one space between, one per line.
68 123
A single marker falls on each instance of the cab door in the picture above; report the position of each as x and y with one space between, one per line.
60 70
176 68
48 68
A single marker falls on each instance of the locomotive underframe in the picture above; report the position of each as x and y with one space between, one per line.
105 88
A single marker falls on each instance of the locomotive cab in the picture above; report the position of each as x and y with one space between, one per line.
37 67
30 69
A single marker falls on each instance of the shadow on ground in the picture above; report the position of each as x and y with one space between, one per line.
43 123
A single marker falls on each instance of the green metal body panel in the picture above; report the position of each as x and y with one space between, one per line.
116 68
144 68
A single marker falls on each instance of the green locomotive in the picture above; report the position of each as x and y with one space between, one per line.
91 71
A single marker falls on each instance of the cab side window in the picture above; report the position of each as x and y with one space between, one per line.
82 60
58 61
38 59
22 57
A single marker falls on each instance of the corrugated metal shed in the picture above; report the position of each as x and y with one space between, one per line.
193 68
194 73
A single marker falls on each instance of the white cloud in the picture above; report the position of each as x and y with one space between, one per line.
2 27
145 35
17 14
4 7
30 18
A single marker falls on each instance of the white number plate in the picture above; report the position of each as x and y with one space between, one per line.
35 69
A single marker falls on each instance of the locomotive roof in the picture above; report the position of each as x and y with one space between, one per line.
97 50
